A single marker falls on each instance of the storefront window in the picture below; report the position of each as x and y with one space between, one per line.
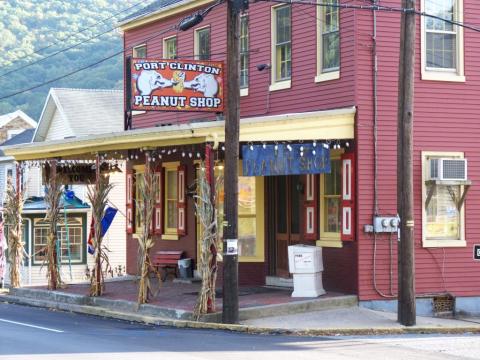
250 217
138 202
443 217
171 200
330 198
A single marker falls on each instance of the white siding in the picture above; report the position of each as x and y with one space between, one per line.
59 128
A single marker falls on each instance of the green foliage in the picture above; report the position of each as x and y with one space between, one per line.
27 26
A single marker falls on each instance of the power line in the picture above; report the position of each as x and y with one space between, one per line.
69 36
376 8
87 66
58 52
174 27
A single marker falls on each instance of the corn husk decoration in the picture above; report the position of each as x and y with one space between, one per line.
146 185
53 193
98 196
207 216
13 220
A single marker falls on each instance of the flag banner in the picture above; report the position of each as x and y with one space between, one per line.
107 220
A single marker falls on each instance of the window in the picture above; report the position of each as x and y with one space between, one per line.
443 224
69 234
202 44
138 200
442 42
281 47
171 200
330 204
244 52
140 51
328 37
170 48
250 216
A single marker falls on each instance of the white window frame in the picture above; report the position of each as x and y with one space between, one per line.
280 84
244 90
438 74
135 49
196 45
461 242
165 40
321 75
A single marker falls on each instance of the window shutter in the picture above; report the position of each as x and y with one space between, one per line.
158 210
181 201
130 202
348 197
311 207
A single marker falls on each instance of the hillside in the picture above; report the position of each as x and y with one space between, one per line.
28 26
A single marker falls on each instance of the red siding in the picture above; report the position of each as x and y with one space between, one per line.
304 95
445 119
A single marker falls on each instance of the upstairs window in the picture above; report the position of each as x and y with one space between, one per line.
170 48
442 42
328 37
140 51
281 47
202 44
244 52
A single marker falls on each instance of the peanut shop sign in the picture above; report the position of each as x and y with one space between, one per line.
174 85
285 159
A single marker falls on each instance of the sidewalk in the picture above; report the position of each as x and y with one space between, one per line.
263 310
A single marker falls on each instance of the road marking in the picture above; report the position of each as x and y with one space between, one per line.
32 326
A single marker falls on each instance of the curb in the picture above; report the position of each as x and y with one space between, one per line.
248 329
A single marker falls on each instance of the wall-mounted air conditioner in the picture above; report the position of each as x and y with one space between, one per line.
448 169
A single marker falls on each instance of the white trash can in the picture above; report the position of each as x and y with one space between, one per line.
185 268
306 264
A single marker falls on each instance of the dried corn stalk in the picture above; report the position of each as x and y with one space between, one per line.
53 192
13 220
98 196
207 216
147 185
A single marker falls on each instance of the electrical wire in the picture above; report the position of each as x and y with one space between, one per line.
72 34
377 8
58 52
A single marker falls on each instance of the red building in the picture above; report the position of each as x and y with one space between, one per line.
321 75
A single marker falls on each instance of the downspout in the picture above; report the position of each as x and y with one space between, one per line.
375 162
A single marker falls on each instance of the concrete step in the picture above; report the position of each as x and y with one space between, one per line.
67 301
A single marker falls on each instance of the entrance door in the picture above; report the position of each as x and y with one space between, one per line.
288 197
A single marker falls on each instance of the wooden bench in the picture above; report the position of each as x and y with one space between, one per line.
167 259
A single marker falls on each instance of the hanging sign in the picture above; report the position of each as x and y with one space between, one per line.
174 85
285 159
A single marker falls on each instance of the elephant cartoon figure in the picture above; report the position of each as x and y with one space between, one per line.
150 80
204 83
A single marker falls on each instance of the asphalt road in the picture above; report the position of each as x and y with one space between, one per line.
33 333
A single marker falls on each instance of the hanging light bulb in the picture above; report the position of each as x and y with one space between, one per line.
198 155
136 157
264 145
190 155
251 147
301 148
314 152
169 152
314 143
347 144
183 153
289 147
301 153
276 147
223 148
174 151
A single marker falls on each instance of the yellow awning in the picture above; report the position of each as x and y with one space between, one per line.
319 125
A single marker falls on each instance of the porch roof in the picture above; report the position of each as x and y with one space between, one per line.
318 125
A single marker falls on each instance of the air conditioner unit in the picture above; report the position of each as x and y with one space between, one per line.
448 169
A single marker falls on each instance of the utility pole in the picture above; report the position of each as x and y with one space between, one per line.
232 123
406 249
